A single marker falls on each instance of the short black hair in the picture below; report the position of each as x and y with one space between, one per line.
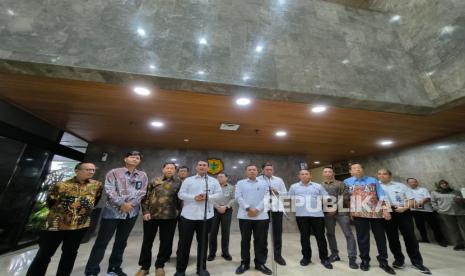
356 163
169 163
250 165
266 164
411 178
386 170
201 160
79 165
134 153
329 167
308 170
183 167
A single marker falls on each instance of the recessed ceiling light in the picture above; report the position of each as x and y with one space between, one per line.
240 162
203 41
157 124
10 12
386 142
173 159
319 109
316 162
141 32
186 140
259 49
443 147
395 18
243 101
281 133
141 91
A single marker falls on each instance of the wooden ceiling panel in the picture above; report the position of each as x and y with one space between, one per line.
114 114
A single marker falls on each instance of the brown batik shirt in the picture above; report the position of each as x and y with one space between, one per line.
161 200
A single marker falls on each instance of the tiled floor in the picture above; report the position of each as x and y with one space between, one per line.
441 261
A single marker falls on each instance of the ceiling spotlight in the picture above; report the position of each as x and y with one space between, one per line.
319 109
259 49
141 32
243 101
186 140
240 162
386 142
157 124
280 133
141 91
316 162
203 41
395 18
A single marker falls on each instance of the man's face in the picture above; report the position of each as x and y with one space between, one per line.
169 170
251 172
268 171
328 173
202 167
183 173
413 183
305 176
132 160
356 170
222 178
85 171
384 176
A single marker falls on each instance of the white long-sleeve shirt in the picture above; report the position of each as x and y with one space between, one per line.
251 194
193 186
276 183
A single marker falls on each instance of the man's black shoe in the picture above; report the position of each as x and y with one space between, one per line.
264 269
210 258
423 269
365 266
115 271
242 268
227 257
387 268
203 273
179 274
305 262
353 263
327 264
280 260
334 258
398 264
459 247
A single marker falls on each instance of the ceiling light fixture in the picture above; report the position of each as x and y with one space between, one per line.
259 49
141 32
281 133
186 140
243 101
386 142
157 124
316 162
141 91
201 72
319 109
203 41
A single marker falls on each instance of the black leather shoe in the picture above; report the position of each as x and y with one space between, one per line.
398 264
242 268
227 257
280 260
305 262
203 273
179 274
264 269
423 269
327 264
334 258
353 263
210 258
387 268
365 266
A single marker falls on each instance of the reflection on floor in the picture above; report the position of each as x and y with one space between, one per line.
441 261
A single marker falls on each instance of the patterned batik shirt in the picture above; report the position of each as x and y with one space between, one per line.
71 204
161 200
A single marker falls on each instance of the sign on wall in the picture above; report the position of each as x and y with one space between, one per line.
215 166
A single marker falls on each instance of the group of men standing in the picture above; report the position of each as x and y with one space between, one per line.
201 204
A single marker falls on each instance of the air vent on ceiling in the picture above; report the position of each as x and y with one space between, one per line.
231 127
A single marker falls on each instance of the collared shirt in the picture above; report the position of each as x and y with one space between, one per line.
71 204
366 193
421 193
276 183
227 199
337 189
193 186
308 199
445 203
123 186
252 194
161 200
397 194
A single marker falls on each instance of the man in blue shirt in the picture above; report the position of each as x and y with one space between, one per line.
368 211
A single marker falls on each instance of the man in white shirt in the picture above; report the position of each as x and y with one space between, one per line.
424 212
401 199
194 192
253 219
279 189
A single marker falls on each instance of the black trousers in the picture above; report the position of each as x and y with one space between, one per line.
403 222
315 225
362 227
259 230
223 220
277 225
123 228
433 221
187 228
167 228
48 244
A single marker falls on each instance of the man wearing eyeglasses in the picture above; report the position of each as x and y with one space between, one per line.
124 187
70 206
